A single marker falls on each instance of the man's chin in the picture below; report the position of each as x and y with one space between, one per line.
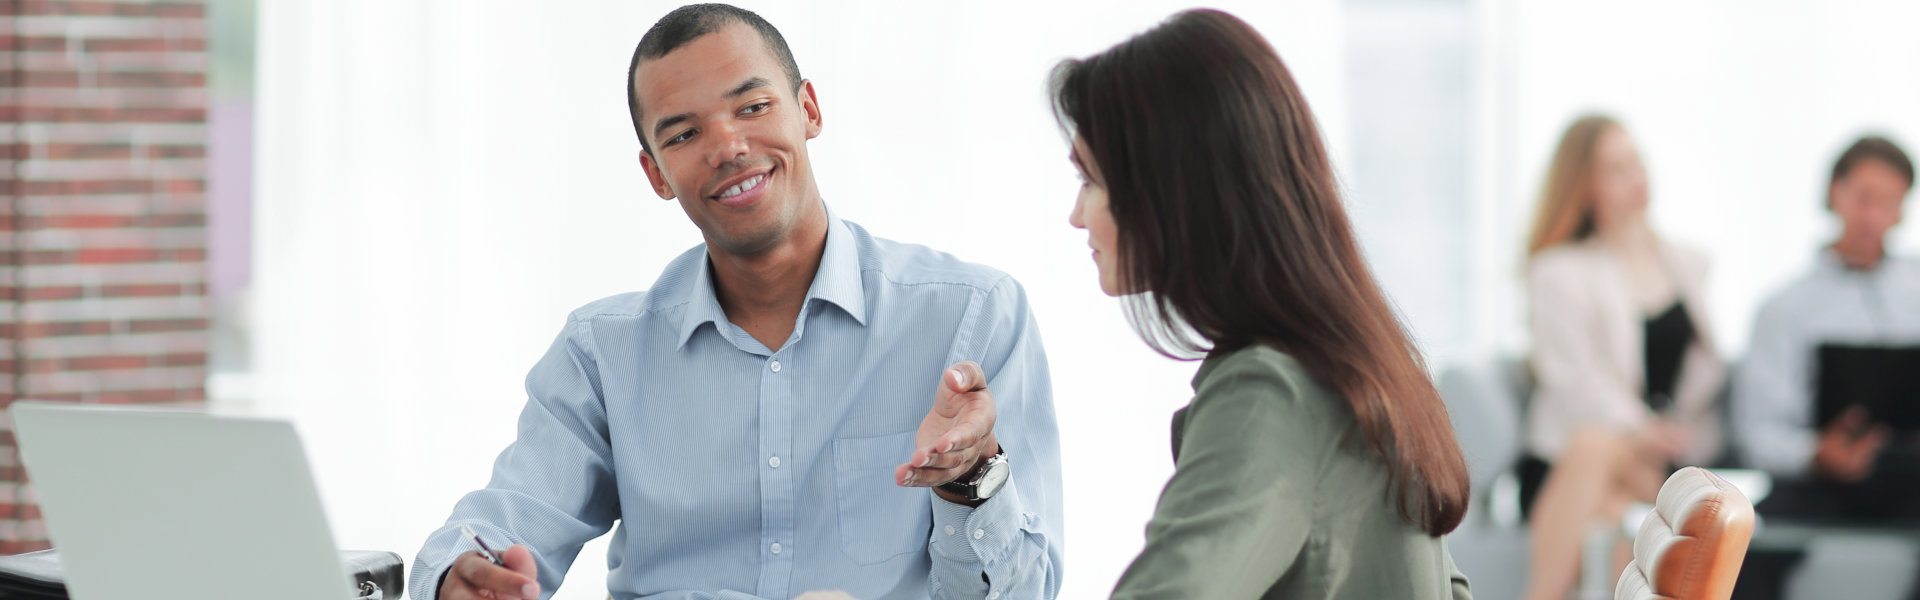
746 244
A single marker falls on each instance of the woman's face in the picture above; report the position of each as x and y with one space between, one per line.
1090 213
1619 180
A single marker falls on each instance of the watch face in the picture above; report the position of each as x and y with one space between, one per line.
992 480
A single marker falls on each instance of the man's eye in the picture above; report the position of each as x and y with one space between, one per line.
757 108
684 136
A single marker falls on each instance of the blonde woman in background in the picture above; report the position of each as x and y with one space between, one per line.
1625 369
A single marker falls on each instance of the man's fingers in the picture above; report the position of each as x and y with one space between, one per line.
908 476
1851 419
965 376
934 468
520 560
486 577
1875 438
943 460
932 476
974 424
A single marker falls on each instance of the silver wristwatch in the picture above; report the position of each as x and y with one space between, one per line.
983 482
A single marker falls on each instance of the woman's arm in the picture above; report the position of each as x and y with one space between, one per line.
1577 385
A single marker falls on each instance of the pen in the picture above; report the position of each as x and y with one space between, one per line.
481 546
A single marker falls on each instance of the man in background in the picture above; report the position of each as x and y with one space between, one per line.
1857 295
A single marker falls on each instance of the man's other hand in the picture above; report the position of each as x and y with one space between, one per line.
473 577
1847 448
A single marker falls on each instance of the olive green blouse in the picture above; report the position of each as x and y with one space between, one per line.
1276 494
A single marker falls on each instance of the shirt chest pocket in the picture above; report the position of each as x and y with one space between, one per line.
878 519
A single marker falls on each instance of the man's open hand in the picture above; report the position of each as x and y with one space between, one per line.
956 434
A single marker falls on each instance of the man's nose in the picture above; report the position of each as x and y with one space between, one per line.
729 143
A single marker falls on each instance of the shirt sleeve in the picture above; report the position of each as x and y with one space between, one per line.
1009 546
1226 524
552 488
1773 395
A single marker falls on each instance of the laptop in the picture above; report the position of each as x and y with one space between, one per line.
1883 380
174 504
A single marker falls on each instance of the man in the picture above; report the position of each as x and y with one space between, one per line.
1855 295
760 422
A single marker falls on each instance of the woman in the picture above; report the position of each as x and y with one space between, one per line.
1626 373
1316 459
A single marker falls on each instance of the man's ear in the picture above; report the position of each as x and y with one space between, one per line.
810 108
654 176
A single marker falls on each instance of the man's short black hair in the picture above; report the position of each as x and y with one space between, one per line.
1873 147
688 23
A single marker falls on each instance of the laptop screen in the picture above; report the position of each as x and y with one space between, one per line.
174 504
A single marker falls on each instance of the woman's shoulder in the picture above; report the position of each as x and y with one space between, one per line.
1269 373
1687 258
1262 388
1566 265
1571 255
1258 361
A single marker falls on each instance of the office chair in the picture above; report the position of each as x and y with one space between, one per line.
1691 547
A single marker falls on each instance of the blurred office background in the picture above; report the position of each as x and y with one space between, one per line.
375 214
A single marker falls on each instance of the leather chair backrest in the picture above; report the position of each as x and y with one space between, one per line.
1692 545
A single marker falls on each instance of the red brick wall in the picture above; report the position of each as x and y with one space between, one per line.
103 278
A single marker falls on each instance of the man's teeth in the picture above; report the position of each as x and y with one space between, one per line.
743 186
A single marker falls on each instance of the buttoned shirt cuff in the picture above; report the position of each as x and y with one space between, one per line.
429 575
983 535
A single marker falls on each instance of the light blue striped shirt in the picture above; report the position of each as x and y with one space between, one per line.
729 471
1774 391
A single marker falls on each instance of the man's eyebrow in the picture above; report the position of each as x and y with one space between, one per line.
749 85
669 122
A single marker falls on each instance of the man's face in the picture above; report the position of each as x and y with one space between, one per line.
729 135
1868 199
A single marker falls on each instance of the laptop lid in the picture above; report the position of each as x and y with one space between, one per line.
172 504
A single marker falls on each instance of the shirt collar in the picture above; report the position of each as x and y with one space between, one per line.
838 282
1830 260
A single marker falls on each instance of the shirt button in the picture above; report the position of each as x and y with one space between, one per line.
776 366
774 462
775 548
993 596
949 530
979 533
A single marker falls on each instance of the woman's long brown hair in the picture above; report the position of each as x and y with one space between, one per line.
1231 220
1565 212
